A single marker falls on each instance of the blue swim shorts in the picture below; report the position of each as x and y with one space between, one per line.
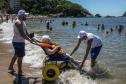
19 48
95 52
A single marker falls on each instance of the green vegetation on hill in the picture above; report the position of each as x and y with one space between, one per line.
124 14
46 7
2 3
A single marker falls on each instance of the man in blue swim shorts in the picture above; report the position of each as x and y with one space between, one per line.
20 35
94 45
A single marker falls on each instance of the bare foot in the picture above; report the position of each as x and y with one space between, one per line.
79 62
10 68
11 71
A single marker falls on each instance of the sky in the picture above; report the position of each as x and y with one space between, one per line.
103 7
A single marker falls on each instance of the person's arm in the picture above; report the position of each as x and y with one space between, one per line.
87 51
76 47
53 51
27 33
21 31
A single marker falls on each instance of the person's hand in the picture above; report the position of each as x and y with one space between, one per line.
58 47
71 56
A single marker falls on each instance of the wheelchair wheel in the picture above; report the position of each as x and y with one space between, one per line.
65 65
50 72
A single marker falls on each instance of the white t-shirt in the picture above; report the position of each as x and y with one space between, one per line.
96 41
17 36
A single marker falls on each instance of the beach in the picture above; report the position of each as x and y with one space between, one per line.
112 57
4 61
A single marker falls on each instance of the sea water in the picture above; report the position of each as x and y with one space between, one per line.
112 57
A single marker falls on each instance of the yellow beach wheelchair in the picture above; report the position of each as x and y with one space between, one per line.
52 68
56 63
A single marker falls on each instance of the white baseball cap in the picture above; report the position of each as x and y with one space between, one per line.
22 13
46 38
82 33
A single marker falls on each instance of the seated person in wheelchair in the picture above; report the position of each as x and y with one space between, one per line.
54 51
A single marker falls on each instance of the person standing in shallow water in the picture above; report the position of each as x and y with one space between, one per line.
1 18
7 18
102 27
20 34
48 25
94 45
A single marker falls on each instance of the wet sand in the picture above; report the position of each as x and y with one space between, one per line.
31 76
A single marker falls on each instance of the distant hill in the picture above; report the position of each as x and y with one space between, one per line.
124 14
2 4
47 7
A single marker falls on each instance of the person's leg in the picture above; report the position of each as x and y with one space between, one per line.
71 60
20 54
93 75
19 62
13 58
64 57
12 62
93 61
94 54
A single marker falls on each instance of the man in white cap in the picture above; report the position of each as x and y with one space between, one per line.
94 45
20 35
